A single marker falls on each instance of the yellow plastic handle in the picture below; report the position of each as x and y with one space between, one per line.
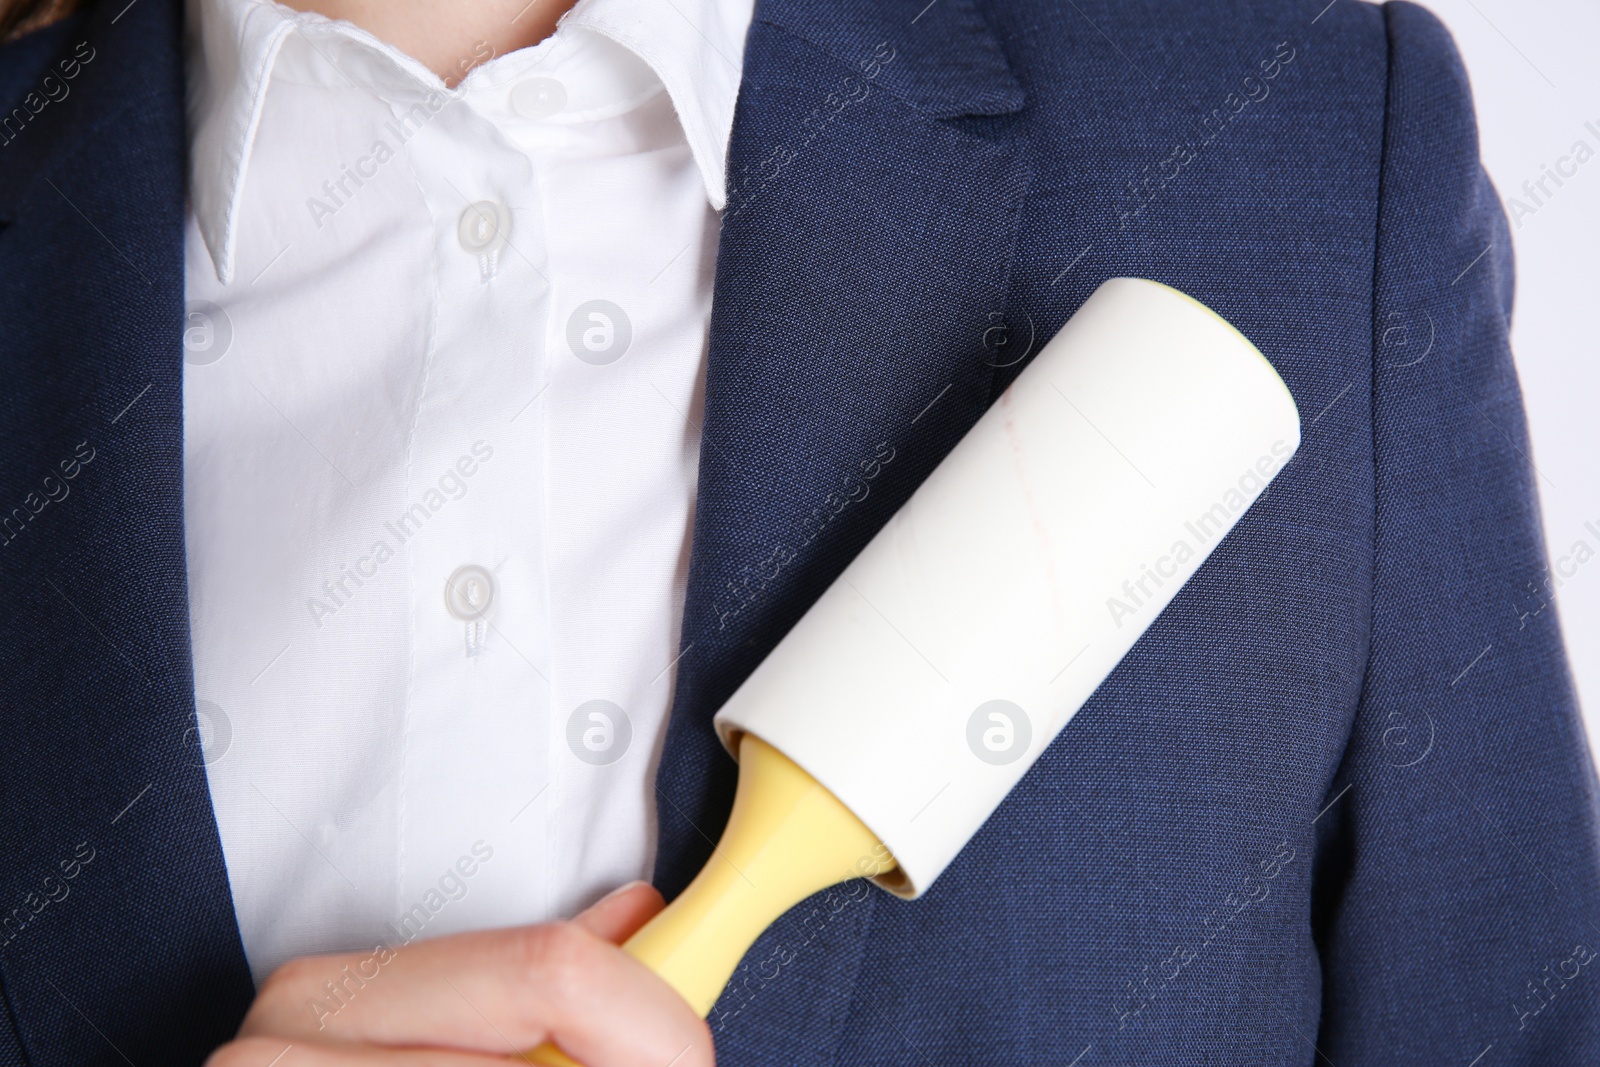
786 839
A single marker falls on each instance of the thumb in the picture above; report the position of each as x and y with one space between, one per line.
619 913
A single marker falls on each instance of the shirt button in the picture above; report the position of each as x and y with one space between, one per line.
469 592
483 227
538 98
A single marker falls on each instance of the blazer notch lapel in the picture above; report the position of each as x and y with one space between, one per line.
940 58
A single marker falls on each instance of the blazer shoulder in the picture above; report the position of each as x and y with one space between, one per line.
1173 58
1426 69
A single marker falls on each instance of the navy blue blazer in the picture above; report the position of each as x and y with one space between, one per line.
1336 806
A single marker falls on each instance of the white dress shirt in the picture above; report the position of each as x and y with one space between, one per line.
444 359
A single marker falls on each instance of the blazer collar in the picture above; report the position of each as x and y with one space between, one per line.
947 62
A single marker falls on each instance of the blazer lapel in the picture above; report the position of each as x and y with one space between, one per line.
857 332
119 939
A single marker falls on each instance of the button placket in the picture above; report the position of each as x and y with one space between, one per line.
480 643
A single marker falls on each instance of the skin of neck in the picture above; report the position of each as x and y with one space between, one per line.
449 37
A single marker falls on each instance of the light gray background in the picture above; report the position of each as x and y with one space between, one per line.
1535 69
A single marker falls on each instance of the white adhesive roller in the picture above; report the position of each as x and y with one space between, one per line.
946 657
899 712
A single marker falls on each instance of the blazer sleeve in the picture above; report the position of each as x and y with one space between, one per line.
1458 907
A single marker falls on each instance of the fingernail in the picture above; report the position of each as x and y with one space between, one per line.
621 889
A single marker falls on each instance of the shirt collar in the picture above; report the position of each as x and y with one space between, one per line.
696 48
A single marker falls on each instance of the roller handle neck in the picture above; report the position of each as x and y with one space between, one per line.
787 838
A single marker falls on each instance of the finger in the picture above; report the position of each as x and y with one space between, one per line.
492 992
620 913
264 1051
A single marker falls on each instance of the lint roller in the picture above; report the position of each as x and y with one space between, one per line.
901 709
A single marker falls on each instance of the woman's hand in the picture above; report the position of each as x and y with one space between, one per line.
481 997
